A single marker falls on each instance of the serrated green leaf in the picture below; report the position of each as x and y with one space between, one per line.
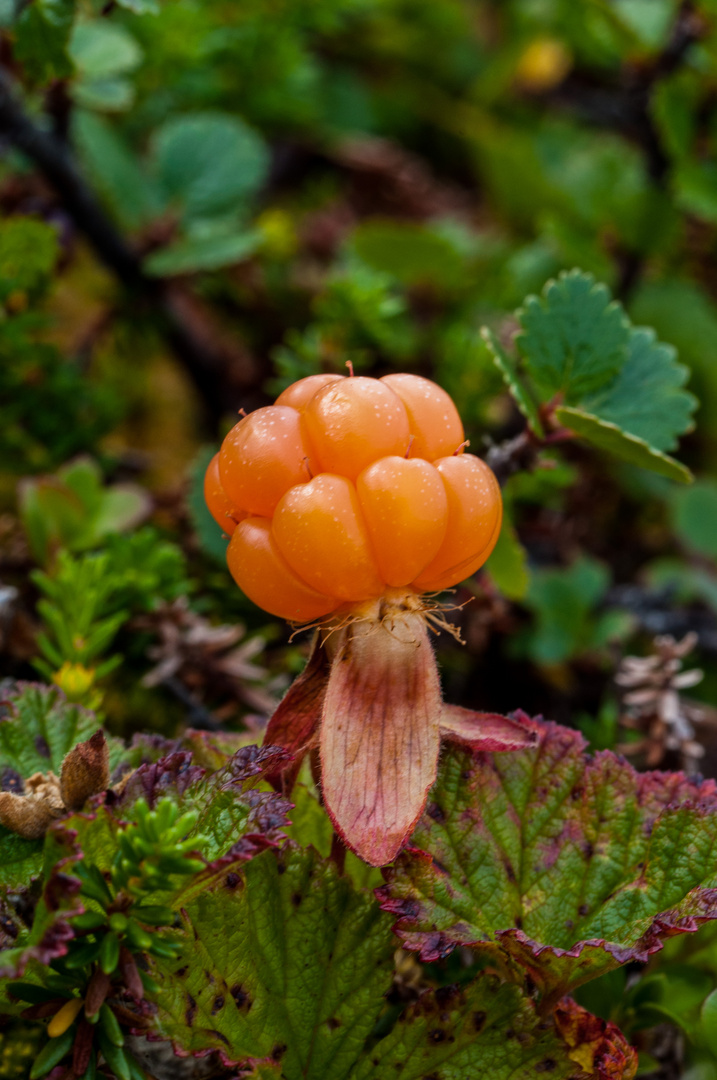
39 728
647 398
51 929
300 962
519 392
20 859
556 862
209 163
574 337
489 1029
203 252
608 436
694 517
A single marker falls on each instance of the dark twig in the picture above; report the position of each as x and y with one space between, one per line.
217 371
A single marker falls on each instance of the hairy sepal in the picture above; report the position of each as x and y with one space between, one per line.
488 732
380 733
295 722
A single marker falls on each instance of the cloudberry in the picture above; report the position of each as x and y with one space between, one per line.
345 501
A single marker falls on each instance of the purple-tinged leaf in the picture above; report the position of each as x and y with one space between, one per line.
51 929
557 865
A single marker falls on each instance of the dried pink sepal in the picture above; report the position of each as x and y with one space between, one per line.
380 733
488 731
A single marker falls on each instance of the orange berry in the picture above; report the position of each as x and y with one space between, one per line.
405 508
435 424
259 570
300 393
319 530
354 421
220 507
474 517
263 456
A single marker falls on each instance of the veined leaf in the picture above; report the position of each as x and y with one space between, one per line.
507 367
556 864
574 337
300 963
647 398
491 1029
608 436
39 729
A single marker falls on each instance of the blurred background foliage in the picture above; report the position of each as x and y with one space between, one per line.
202 201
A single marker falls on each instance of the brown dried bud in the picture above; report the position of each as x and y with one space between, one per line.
85 771
30 815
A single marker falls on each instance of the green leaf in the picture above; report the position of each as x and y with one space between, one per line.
102 49
51 926
105 95
209 162
212 539
204 252
694 517
608 436
554 862
115 170
141 7
489 1029
708 1017
20 859
508 564
413 254
646 399
574 337
39 728
563 601
42 34
300 961
520 393
695 189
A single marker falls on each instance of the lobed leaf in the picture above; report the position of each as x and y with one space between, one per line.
575 337
39 728
647 398
299 963
555 864
491 1029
